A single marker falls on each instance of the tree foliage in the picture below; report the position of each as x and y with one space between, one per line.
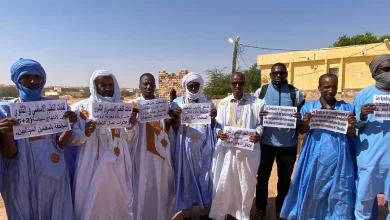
360 39
218 83
252 78
85 93
9 91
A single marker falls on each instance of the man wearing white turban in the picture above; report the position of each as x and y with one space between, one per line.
103 178
193 152
372 149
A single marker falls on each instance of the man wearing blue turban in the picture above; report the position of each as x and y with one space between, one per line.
34 180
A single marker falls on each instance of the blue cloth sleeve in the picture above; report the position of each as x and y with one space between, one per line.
358 109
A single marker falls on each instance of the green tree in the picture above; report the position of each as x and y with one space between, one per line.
218 82
359 39
9 91
383 37
252 78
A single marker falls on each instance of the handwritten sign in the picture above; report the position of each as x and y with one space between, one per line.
330 120
239 138
280 117
152 110
382 110
111 115
196 113
39 118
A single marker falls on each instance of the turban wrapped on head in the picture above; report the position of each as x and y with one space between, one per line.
27 66
377 61
193 77
382 79
95 97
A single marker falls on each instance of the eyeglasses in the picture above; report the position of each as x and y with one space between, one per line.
238 83
193 85
384 69
282 73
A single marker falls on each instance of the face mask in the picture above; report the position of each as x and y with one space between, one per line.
383 81
29 95
192 96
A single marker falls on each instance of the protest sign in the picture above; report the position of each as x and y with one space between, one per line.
331 120
39 118
238 138
152 110
382 107
196 113
280 117
111 115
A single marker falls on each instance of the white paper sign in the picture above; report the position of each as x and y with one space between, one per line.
239 138
280 117
111 115
196 113
382 110
39 118
331 120
152 110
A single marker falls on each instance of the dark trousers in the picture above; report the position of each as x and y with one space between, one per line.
285 160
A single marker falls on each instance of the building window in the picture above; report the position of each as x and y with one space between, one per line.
334 71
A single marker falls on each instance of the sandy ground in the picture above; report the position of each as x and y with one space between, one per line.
270 209
271 193
3 215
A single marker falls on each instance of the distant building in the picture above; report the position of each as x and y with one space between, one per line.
52 94
132 90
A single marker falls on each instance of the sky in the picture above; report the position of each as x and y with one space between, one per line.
72 39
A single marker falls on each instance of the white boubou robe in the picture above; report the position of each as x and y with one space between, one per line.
234 170
154 177
103 182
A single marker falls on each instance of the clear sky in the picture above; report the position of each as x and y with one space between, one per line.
72 39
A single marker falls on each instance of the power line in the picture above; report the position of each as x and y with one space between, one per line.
240 52
267 48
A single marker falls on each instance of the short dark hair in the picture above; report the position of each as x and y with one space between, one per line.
279 64
144 75
326 75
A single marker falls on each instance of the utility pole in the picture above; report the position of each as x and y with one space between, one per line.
234 52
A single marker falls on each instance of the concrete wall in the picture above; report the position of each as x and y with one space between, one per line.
168 81
305 67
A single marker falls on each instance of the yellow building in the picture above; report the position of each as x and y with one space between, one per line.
349 63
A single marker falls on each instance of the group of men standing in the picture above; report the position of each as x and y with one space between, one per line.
155 169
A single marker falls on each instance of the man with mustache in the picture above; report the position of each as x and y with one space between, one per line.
34 180
153 165
323 185
234 169
103 187
277 143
